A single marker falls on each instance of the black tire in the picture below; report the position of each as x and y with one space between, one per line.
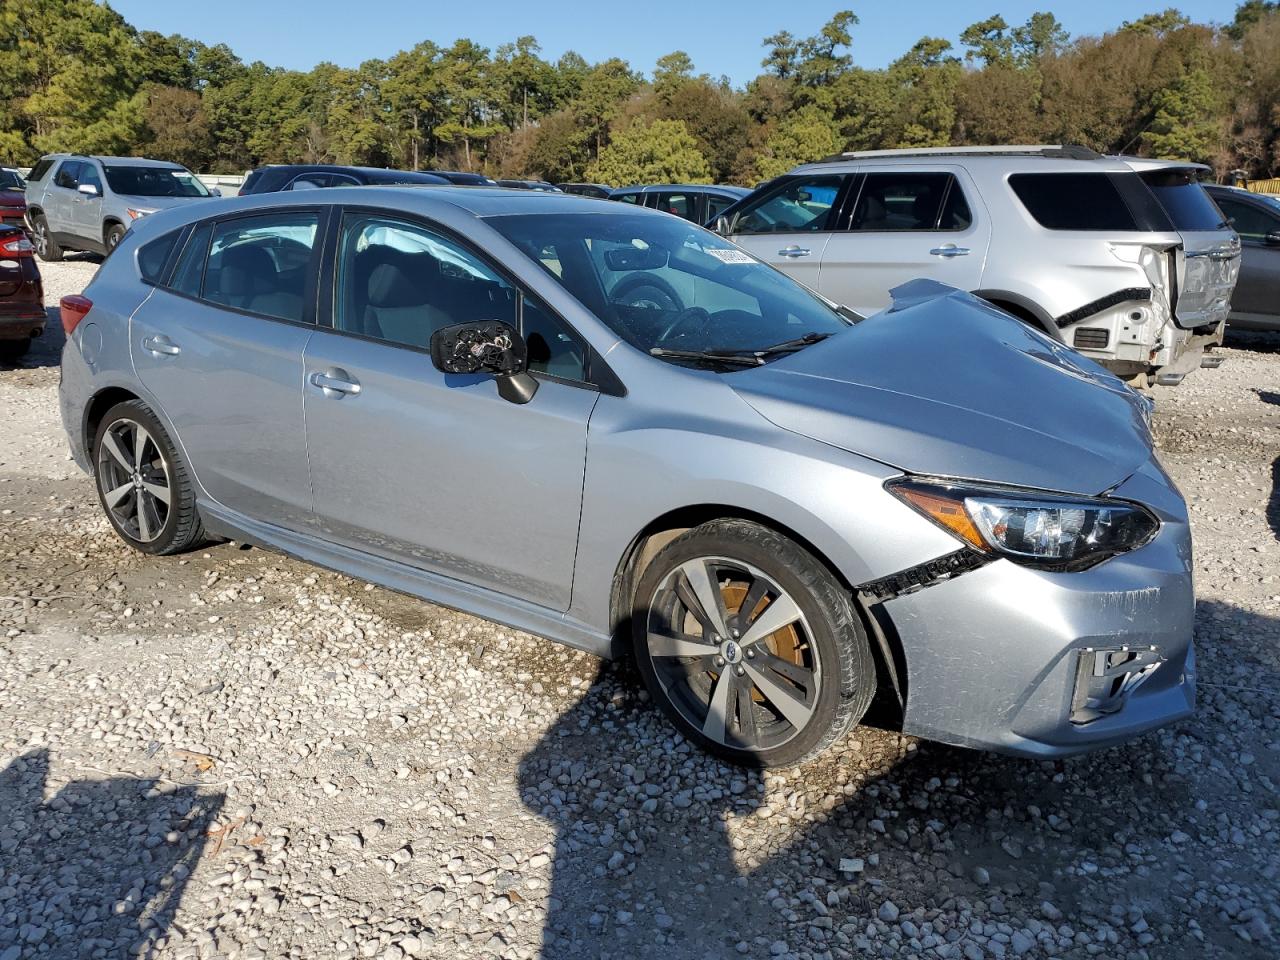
113 236
829 656
14 350
178 528
47 248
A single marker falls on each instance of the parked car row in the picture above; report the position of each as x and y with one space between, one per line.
1255 304
1126 260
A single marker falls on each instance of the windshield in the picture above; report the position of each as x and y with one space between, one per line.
663 283
131 181
1182 197
11 180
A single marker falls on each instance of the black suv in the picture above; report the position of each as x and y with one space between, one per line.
310 176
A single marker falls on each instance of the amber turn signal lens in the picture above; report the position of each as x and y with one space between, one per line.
943 508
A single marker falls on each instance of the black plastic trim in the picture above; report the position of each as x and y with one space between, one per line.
1103 303
921 576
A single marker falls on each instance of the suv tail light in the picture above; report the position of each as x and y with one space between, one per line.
18 246
73 309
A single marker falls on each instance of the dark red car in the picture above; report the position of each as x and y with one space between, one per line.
13 201
22 313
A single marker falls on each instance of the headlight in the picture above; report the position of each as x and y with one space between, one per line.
1041 529
136 212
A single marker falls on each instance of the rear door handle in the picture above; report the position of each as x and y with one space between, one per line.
336 383
794 251
950 250
161 346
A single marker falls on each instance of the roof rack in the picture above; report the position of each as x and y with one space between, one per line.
1061 151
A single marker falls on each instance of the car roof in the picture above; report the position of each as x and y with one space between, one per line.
130 161
688 187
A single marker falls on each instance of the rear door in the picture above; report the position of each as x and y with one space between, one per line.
789 224
905 224
433 470
220 346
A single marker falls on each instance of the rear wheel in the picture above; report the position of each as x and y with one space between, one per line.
46 247
750 645
143 482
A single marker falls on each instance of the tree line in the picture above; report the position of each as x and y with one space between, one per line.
76 76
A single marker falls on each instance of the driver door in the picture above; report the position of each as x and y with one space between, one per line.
86 210
789 226
436 470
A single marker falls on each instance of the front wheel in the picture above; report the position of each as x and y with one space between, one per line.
750 645
143 482
115 233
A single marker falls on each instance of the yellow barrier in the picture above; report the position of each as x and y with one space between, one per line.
1264 186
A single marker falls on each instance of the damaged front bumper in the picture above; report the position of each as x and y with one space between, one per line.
1023 661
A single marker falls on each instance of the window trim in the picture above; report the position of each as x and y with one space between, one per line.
599 376
323 214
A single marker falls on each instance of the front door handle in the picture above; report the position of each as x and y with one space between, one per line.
794 251
950 250
161 346
336 383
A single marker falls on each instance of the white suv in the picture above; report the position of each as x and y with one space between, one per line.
1127 260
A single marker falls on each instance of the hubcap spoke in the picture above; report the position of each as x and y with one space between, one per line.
746 715
678 645
144 520
793 672
781 611
718 709
140 440
115 497
795 710
707 593
759 587
113 447
161 493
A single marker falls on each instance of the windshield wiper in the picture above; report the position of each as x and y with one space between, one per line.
747 358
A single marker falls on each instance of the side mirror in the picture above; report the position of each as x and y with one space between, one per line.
88 189
215 192
1272 239
723 226
486 346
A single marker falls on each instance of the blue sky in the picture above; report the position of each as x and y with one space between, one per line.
722 38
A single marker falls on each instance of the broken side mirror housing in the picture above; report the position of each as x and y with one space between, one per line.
486 346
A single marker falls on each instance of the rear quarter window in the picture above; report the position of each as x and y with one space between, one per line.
40 169
154 256
1073 201
1184 200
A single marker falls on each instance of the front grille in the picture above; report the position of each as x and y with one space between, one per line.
1092 338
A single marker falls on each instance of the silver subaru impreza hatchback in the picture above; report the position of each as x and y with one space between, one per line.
615 429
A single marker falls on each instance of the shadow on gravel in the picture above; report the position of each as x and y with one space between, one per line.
46 350
1260 341
1111 842
88 872
1273 505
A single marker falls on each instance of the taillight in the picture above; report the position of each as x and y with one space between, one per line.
73 309
18 246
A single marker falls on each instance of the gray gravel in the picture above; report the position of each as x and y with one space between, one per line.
232 754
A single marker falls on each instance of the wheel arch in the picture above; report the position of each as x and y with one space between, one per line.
889 655
108 223
97 408
1024 308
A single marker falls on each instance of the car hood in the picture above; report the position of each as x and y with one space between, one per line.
943 384
157 203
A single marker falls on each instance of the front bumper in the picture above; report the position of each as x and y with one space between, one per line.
1007 658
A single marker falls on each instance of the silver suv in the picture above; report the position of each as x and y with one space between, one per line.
1126 260
76 202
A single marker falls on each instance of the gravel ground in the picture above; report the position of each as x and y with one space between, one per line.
232 754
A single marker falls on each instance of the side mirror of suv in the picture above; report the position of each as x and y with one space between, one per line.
486 346
723 226
1272 239
88 189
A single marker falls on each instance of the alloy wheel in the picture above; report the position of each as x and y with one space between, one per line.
135 480
733 653
42 238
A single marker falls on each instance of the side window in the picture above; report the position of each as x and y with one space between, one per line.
900 201
1250 222
153 256
400 282
799 205
1073 201
679 204
89 174
189 271
260 264
627 198
553 349
67 173
40 169
309 181
955 209
716 206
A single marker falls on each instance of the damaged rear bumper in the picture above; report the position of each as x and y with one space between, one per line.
1041 664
